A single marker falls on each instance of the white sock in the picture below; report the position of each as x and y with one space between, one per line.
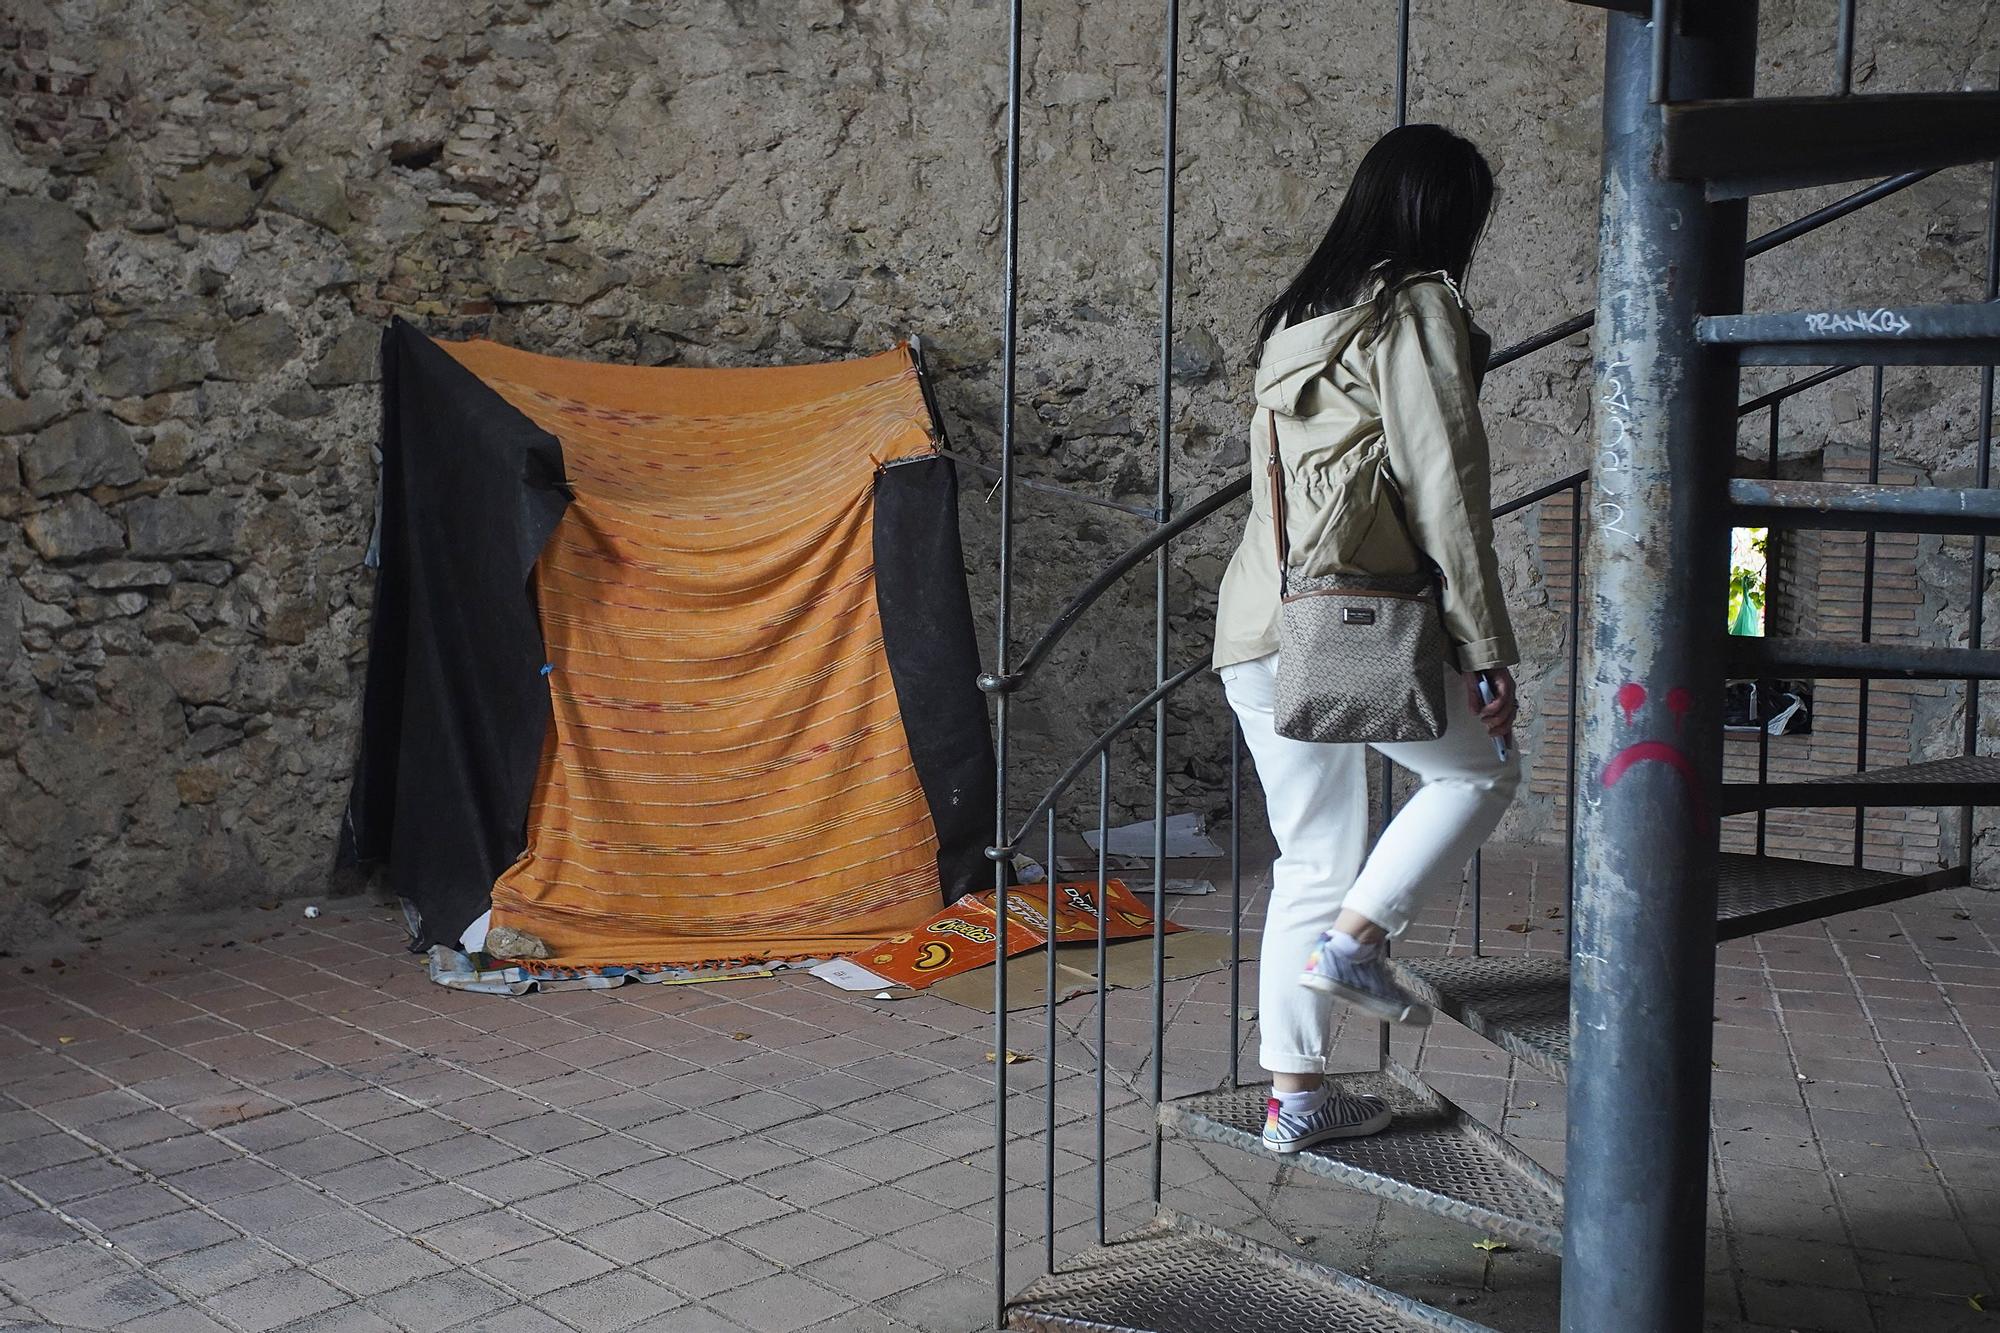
1302 1103
1344 945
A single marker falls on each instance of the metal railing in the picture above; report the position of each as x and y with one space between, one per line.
1011 674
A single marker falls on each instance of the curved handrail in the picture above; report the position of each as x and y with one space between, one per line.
1095 748
1206 507
994 683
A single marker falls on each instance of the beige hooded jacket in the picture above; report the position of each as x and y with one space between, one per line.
1359 414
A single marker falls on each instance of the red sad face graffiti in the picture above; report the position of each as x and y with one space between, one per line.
1631 699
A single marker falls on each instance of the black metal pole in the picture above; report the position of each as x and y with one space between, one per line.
1976 628
1103 988
1843 54
1576 513
1002 616
1049 1069
1643 975
1756 698
1402 62
1235 895
1867 614
1478 878
1163 502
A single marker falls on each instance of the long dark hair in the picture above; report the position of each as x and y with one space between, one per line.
1417 204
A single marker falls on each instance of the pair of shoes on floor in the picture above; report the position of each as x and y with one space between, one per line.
1340 1115
1365 983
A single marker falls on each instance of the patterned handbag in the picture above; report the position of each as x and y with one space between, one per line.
1360 656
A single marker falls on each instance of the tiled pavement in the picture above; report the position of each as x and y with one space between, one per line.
260 1122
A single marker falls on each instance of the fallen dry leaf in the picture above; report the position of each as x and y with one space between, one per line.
1013 1057
65 1040
739 1036
1490 1245
1520 928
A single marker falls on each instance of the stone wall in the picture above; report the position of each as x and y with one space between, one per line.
210 208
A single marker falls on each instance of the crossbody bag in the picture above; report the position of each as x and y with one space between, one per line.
1360 656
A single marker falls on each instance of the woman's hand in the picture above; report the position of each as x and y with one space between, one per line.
1498 716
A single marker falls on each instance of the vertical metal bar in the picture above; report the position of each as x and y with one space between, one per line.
1764 732
1103 989
1235 895
1976 627
1163 502
1576 515
1642 986
1002 867
1843 58
1867 612
1402 62
1661 70
1049 1069
1388 811
1478 876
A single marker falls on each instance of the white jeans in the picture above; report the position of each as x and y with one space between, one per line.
1317 800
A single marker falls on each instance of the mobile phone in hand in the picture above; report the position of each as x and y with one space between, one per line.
1487 694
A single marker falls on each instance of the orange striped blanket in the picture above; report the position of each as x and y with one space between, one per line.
727 775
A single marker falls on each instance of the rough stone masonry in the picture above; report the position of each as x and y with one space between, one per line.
210 209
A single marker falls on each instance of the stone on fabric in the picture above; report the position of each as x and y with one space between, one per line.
89 449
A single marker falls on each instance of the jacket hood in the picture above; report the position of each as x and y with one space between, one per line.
1296 355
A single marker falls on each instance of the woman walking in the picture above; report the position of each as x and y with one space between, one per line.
1367 392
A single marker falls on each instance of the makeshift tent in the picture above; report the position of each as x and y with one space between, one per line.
668 665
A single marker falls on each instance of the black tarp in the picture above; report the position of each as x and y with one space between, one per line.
934 662
456 706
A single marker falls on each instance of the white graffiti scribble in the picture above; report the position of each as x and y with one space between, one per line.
1615 456
1858 321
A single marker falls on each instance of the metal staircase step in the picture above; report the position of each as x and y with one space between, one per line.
1178 1276
1758 893
1963 334
1756 502
1749 657
1433 1156
1741 147
1964 780
1519 1004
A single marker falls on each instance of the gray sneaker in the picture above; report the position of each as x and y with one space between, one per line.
1343 1115
1364 983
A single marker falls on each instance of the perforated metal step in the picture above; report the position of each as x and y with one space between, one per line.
1178 1276
1961 334
1757 502
1741 147
1760 657
1757 893
1522 1004
1964 780
1519 1004
1433 1156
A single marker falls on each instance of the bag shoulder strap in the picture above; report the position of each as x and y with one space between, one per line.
1275 467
